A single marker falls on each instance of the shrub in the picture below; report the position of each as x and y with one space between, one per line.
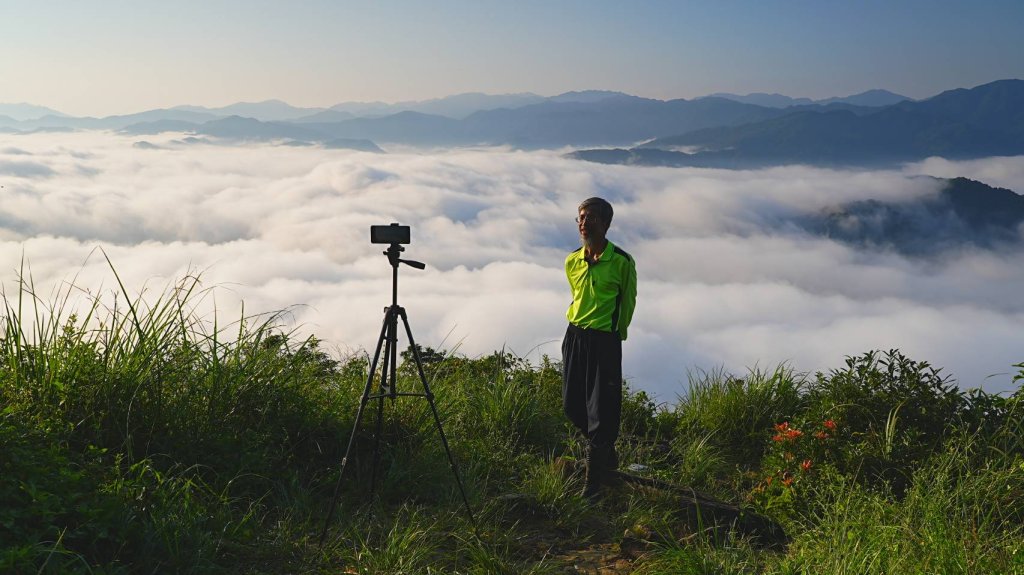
895 412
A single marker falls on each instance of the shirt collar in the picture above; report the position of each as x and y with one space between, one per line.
604 255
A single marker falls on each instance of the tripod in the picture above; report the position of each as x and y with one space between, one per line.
388 341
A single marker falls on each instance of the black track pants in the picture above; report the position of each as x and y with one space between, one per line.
592 383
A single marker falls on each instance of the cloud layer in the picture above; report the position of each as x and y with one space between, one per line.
724 281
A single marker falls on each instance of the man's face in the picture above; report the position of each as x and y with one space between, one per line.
591 227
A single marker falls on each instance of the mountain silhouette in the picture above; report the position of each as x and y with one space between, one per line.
457 106
413 128
610 120
997 106
842 137
712 131
984 121
22 112
115 122
965 213
763 99
586 96
239 128
159 126
570 119
325 116
267 110
871 98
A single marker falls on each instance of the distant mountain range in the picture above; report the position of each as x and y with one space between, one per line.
872 98
871 128
984 121
572 119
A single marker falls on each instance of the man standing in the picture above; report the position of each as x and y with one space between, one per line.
602 277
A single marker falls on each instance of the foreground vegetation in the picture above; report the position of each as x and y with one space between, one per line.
145 438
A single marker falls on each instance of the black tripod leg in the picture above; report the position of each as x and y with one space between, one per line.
380 419
387 385
355 428
437 419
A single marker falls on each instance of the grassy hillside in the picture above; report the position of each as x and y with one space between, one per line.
146 439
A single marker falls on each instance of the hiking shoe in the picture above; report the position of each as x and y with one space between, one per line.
595 471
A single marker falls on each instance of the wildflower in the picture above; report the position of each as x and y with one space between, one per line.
806 465
787 481
830 424
821 435
785 433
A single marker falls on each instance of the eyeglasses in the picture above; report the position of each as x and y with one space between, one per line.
587 217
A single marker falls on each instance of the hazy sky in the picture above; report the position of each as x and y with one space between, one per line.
723 281
105 57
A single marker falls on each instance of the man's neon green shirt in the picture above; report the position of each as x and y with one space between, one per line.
604 293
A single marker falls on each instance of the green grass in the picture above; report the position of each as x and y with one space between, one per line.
138 435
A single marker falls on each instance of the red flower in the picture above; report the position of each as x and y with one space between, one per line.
830 424
821 435
785 433
806 465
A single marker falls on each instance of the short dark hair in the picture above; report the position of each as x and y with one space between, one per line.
600 206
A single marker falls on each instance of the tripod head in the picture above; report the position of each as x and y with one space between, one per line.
394 251
396 235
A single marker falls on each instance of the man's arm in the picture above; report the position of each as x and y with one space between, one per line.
628 298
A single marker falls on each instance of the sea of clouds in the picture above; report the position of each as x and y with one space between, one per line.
725 280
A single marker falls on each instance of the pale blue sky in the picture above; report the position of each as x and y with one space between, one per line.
106 57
